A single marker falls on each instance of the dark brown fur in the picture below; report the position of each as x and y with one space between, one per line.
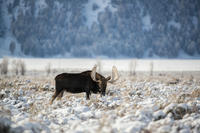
102 79
102 84
75 83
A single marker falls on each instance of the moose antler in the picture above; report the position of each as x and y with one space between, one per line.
115 75
93 73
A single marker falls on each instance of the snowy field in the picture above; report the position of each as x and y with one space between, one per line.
163 102
124 65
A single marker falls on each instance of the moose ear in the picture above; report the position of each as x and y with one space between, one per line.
108 78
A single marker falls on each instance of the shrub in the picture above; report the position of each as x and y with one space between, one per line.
15 66
48 68
132 67
151 68
4 66
19 67
22 67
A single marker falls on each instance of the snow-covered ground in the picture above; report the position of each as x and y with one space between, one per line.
132 104
124 65
140 103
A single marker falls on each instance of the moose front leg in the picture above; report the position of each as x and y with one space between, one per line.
88 95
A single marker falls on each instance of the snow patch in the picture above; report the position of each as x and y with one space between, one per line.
147 25
158 115
40 5
58 5
195 21
30 112
5 42
93 8
183 55
174 24
22 7
136 126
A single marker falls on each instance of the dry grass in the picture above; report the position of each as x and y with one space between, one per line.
48 69
4 112
132 67
38 84
4 66
195 93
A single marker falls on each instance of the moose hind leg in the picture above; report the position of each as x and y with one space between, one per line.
60 94
55 95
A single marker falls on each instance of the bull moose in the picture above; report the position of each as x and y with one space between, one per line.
87 81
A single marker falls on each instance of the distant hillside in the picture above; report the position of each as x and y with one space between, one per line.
95 28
